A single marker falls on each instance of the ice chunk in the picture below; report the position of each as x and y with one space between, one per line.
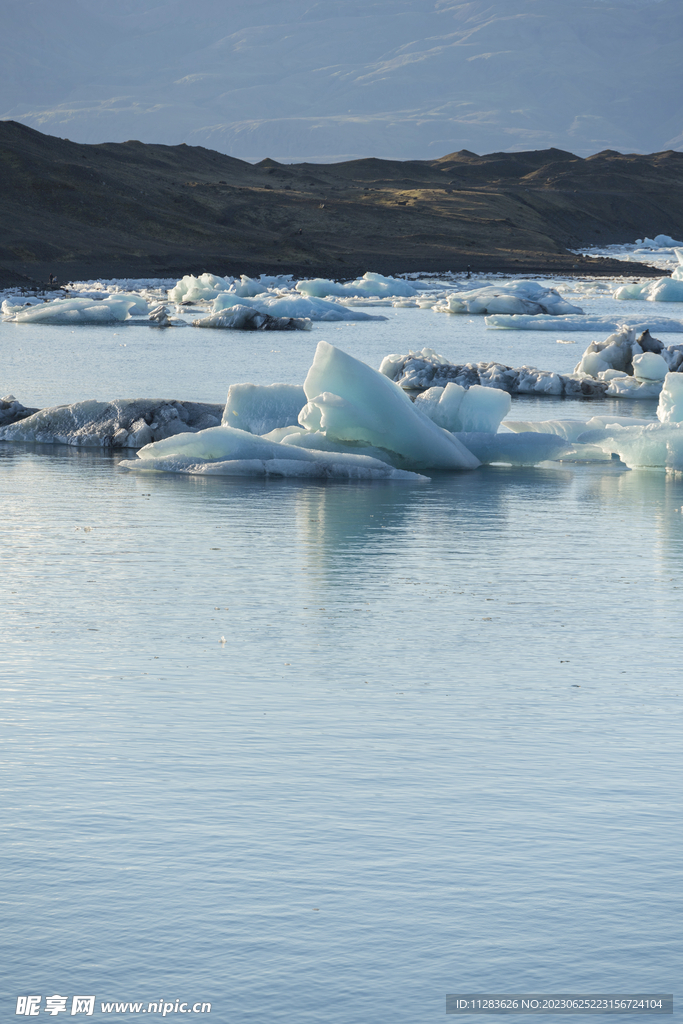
299 306
421 370
670 408
583 323
649 367
477 409
246 318
512 297
11 411
368 284
225 451
77 311
261 408
631 387
122 423
192 289
524 449
349 401
572 430
657 445
614 353
247 287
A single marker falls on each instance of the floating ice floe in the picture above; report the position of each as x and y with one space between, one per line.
372 285
293 305
426 369
80 311
511 297
11 411
122 423
638 443
246 318
355 423
190 289
663 289
590 322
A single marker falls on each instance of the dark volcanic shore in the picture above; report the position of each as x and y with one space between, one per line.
135 210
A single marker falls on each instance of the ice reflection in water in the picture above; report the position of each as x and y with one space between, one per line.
446 716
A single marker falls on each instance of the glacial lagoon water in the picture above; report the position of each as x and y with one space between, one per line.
399 740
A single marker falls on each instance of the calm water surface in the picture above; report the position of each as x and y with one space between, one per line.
400 740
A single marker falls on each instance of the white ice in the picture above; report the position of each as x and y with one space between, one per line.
526 449
349 401
512 297
78 311
590 322
367 285
192 289
293 305
348 404
226 451
261 408
663 289
457 409
638 443
670 407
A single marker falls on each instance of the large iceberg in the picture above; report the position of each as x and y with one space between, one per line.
374 285
512 297
122 423
350 402
80 311
292 305
351 411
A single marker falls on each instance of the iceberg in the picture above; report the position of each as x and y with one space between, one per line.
592 322
191 289
292 305
374 285
246 318
349 401
474 410
78 311
663 289
350 411
247 287
424 369
523 449
513 297
122 423
227 451
670 407
261 408
11 411
614 353
638 443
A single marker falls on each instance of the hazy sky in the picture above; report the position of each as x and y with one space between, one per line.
306 80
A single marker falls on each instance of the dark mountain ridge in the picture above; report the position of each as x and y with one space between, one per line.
135 210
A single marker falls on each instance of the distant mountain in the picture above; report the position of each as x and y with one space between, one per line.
323 81
135 210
